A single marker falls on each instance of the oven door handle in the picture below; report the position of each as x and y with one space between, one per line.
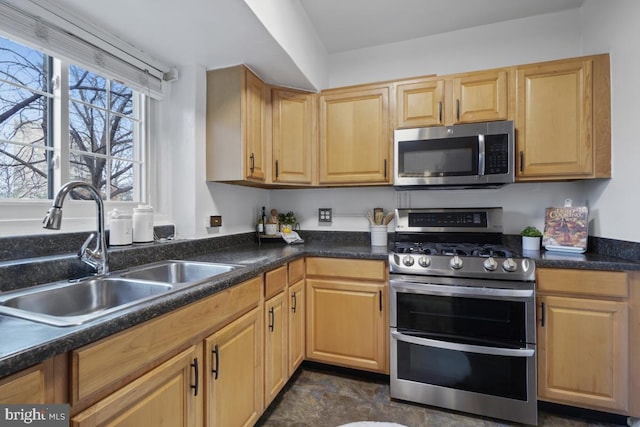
493 351
427 289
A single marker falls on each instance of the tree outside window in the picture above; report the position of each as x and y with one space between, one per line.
103 144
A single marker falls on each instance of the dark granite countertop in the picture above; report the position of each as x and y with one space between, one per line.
24 343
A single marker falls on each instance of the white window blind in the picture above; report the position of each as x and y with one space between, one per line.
47 27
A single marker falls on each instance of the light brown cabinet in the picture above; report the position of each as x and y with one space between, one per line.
32 385
234 373
563 119
294 147
297 313
347 313
461 98
355 136
276 338
154 362
170 394
236 124
583 338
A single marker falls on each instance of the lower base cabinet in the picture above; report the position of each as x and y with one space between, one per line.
170 394
583 339
234 373
347 313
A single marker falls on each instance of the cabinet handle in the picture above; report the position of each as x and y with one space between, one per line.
380 299
272 319
195 386
457 110
252 158
216 365
440 112
542 314
294 302
521 161
277 169
385 168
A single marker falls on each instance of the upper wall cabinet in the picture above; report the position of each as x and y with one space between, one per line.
293 116
461 98
355 136
563 119
236 126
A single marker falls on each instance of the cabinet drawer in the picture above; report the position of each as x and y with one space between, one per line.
28 386
347 268
275 281
612 284
296 271
105 365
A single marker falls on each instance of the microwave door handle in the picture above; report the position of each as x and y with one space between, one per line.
481 156
469 348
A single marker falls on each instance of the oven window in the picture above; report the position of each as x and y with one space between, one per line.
438 157
481 373
480 321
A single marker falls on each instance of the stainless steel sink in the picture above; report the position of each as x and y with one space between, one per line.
179 272
74 303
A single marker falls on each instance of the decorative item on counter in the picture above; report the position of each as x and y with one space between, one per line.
143 224
378 223
271 227
287 221
566 228
531 238
120 228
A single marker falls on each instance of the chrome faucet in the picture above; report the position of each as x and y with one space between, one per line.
96 257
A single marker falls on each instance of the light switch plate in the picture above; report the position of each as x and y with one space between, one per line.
325 215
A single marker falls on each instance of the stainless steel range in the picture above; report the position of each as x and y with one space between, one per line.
462 315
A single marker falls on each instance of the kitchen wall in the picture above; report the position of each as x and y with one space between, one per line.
597 27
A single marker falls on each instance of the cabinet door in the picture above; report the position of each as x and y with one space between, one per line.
28 386
276 346
583 352
345 323
293 130
420 103
554 120
233 367
167 395
254 127
480 96
355 136
297 315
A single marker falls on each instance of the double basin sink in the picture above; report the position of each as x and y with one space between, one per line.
71 303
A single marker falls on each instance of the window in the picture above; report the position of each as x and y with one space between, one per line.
104 144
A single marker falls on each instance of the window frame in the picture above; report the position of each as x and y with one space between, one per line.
24 217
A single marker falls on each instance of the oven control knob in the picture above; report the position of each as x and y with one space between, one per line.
509 265
407 260
456 262
424 261
490 264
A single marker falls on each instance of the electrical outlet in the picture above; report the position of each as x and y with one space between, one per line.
324 215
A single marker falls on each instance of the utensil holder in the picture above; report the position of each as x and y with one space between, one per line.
378 235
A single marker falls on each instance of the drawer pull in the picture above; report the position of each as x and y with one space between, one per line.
294 302
216 365
272 319
195 386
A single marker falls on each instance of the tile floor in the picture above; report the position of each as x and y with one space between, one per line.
320 397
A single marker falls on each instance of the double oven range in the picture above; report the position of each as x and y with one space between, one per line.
462 315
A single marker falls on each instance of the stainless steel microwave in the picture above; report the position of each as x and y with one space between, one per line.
459 156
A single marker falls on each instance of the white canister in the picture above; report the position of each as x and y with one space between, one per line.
143 224
270 229
120 228
378 235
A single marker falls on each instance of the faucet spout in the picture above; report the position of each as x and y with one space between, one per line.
98 256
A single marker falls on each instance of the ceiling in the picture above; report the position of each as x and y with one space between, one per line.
218 33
